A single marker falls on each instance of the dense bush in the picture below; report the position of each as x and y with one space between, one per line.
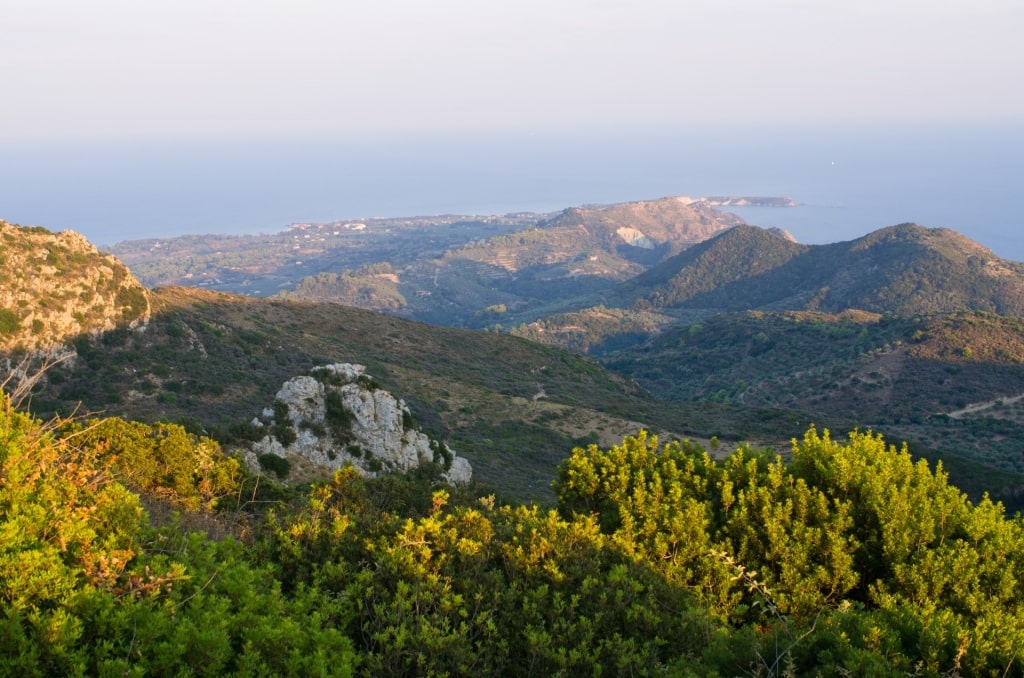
851 559
88 588
280 466
9 321
853 556
338 417
161 459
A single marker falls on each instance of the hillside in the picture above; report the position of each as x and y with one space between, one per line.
948 382
674 257
669 225
722 272
581 251
905 270
448 270
57 285
513 408
902 270
262 265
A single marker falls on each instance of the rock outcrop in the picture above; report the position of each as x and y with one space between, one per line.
337 415
55 286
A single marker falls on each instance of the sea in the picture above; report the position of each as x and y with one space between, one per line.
849 179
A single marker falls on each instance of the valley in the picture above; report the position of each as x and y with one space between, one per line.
518 337
662 438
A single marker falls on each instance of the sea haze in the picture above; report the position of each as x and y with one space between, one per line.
849 180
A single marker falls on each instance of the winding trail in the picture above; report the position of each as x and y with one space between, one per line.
974 408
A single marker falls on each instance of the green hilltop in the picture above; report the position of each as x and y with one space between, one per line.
902 270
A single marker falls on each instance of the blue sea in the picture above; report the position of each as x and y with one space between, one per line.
848 179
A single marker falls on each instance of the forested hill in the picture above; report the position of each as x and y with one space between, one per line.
721 272
950 382
905 270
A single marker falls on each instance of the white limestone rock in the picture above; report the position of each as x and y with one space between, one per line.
338 416
460 472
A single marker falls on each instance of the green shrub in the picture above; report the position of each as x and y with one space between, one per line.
133 301
338 417
9 322
245 431
284 432
280 466
281 412
368 382
440 449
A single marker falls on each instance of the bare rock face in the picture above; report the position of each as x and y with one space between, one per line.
338 416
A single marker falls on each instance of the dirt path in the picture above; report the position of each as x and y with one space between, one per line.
974 408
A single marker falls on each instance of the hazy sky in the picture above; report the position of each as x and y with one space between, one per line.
108 68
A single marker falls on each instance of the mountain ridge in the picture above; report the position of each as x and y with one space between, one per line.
904 269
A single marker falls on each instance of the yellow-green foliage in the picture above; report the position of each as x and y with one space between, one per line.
68 537
65 522
481 590
163 460
852 559
88 588
853 552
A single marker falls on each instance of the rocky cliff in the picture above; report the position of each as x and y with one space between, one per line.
55 286
337 415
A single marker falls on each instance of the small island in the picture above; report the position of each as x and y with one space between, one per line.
749 201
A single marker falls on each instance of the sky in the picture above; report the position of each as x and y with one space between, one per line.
117 69
124 119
